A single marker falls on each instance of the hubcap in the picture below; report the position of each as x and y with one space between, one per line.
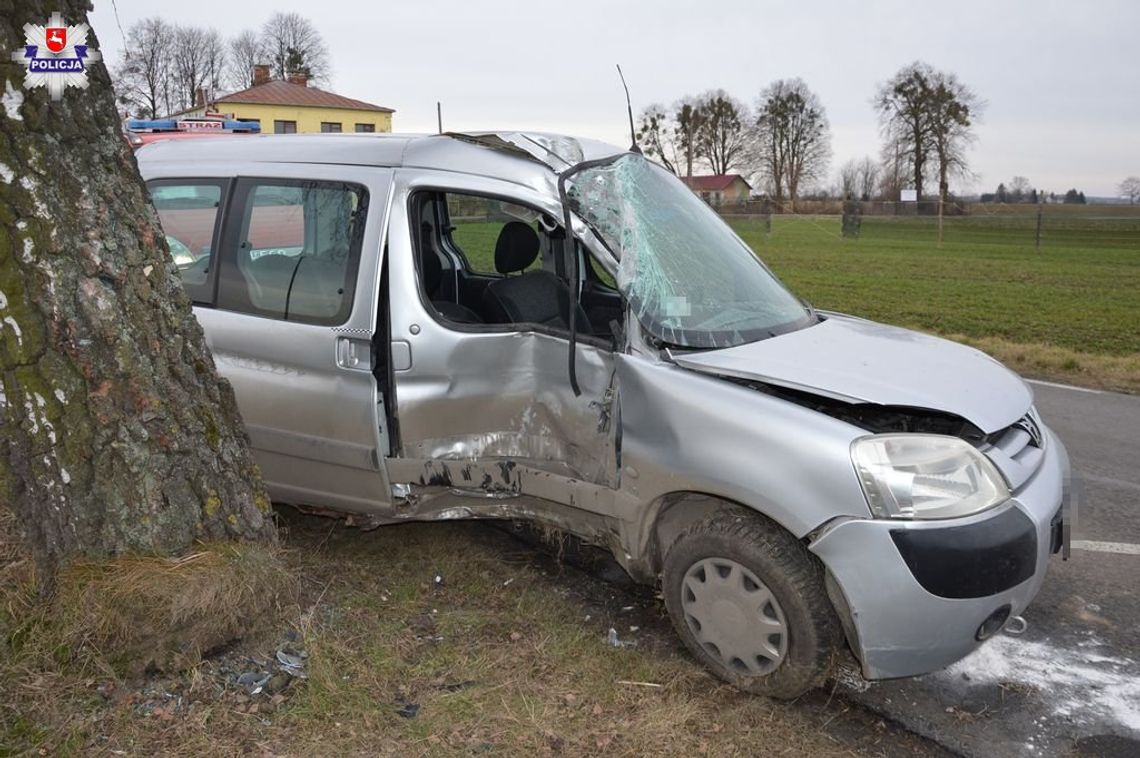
734 616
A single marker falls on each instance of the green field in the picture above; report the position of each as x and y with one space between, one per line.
985 281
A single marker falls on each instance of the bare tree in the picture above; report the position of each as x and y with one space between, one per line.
687 124
1019 189
849 179
902 106
245 52
214 56
953 109
292 44
928 115
793 138
1130 189
144 75
117 433
197 65
868 178
656 134
893 169
721 132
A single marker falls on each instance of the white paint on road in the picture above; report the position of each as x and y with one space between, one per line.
1111 481
1122 548
1079 684
1064 386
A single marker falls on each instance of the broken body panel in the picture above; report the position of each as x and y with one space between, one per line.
397 414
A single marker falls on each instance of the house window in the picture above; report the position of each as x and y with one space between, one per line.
369 128
284 127
330 127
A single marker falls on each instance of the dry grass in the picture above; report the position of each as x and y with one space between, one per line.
1109 372
139 613
146 612
507 655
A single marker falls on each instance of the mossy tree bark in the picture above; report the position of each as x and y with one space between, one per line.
117 433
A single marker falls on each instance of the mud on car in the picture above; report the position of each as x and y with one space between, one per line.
533 327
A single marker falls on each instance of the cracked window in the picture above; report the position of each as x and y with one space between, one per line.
689 279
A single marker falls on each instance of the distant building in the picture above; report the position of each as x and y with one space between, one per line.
720 189
292 106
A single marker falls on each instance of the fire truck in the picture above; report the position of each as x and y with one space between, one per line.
143 131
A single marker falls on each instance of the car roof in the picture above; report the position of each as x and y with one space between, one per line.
493 154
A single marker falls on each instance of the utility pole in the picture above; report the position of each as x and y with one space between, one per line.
439 116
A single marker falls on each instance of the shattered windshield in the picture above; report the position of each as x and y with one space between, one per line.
689 279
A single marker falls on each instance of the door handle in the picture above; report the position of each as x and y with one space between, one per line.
354 354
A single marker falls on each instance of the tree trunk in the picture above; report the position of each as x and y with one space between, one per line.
118 435
919 166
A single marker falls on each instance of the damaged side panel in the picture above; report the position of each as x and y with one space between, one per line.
505 397
682 431
505 490
488 423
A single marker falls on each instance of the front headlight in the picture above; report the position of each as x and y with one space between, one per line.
925 476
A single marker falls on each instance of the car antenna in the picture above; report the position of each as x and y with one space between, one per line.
633 148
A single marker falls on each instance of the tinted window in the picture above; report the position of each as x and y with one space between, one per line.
189 216
295 249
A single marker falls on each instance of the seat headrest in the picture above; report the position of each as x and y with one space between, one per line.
516 248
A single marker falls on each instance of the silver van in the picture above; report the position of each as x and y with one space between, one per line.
533 327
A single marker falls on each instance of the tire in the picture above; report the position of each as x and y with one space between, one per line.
732 577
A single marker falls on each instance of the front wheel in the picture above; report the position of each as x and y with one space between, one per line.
748 600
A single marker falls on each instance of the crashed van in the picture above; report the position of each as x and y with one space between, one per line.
542 329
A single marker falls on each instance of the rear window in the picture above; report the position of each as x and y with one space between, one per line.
189 214
295 249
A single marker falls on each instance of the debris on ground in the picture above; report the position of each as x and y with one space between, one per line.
292 663
614 641
407 710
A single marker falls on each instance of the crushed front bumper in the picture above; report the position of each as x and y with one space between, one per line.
915 594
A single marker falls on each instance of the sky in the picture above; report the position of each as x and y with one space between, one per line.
1061 80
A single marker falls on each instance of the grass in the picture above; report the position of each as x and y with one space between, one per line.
978 284
505 655
1069 311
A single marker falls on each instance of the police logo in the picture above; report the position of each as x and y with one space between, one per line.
56 56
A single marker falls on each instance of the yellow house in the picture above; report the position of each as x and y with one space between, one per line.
292 106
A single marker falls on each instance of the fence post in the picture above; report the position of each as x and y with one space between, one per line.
1037 239
943 191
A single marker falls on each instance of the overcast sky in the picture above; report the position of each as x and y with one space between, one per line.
1061 79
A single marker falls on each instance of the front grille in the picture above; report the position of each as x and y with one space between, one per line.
1018 449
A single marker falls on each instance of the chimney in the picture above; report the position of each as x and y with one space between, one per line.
298 77
260 74
199 98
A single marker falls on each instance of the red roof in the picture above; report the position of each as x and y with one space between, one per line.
279 92
713 182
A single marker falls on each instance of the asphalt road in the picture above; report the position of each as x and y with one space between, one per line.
1071 682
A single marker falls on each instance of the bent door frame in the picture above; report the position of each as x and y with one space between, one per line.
488 413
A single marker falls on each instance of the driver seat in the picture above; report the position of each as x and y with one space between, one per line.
533 297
